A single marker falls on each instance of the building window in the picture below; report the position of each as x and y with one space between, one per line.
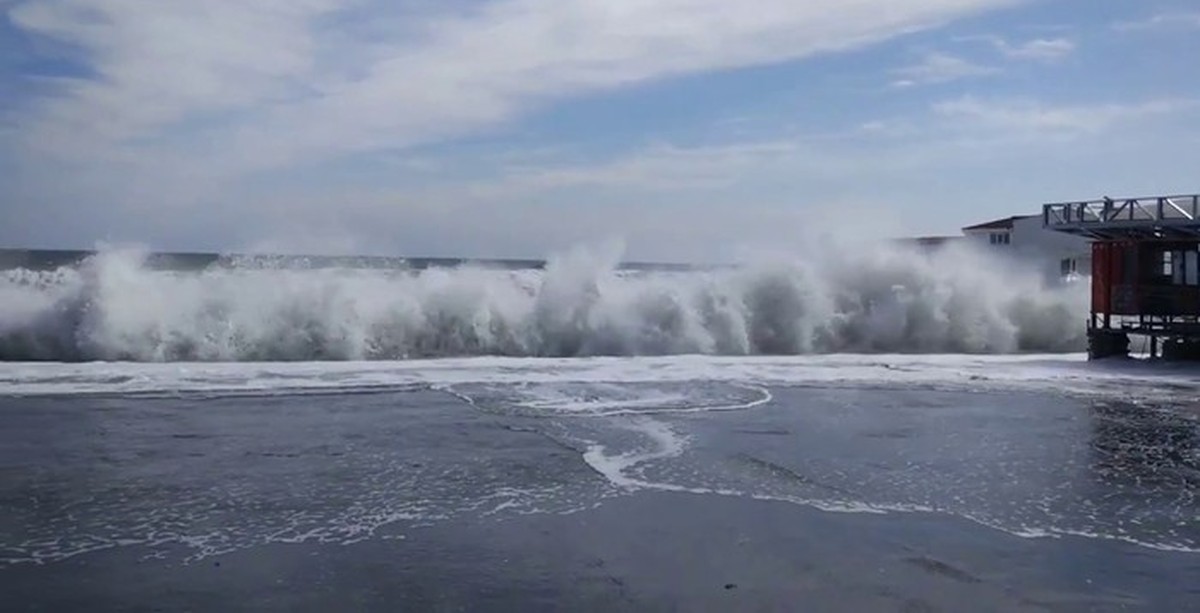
1191 267
1182 267
999 238
1068 266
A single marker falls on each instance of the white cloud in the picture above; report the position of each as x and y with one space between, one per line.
187 99
949 128
897 127
1161 21
1044 49
662 167
1029 116
155 63
1038 49
875 126
669 201
672 200
280 82
938 68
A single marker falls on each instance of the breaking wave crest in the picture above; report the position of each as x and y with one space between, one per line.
113 307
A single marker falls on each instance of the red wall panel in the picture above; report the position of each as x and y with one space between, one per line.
1102 276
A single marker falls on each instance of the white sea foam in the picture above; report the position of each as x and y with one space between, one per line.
619 469
659 442
1054 373
835 299
611 399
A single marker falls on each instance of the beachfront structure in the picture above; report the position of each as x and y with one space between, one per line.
1145 269
1024 238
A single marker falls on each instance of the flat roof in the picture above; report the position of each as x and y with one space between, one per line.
930 240
999 224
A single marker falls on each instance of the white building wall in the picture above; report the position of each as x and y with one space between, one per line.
1055 254
989 237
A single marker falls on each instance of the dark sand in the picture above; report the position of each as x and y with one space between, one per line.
647 552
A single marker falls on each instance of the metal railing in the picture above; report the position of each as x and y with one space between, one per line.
1126 212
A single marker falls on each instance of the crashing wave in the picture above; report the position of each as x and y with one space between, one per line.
113 307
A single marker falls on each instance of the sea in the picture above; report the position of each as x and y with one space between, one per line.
841 430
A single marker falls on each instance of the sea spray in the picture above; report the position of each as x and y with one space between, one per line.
847 299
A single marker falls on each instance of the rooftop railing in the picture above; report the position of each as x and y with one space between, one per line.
1148 213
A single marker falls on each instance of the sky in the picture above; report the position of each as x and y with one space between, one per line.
688 130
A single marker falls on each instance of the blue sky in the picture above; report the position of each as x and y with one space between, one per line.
689 129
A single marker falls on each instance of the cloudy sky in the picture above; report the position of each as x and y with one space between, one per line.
687 128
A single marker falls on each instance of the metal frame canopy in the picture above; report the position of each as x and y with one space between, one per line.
1147 218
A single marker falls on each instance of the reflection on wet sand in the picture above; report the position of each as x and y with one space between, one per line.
1146 450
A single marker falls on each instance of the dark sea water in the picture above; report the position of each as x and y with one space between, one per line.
50 259
668 484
